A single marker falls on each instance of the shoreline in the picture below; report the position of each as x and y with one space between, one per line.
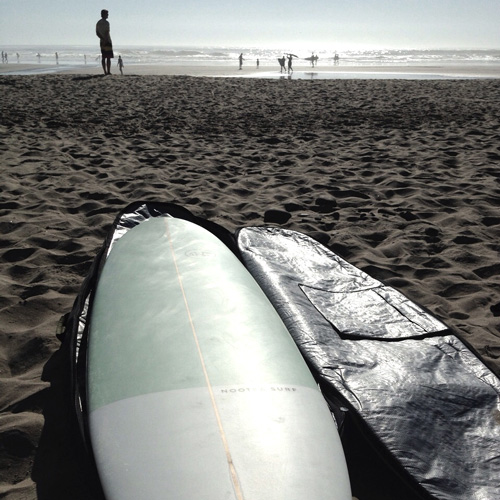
301 71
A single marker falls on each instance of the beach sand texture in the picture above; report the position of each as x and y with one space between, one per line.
401 178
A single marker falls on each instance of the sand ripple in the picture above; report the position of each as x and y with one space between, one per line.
400 178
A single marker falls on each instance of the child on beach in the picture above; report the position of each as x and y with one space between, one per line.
120 64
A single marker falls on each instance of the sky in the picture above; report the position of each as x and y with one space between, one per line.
315 24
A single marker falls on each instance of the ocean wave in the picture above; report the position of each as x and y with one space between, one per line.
224 55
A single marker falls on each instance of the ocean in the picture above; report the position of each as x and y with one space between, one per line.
69 57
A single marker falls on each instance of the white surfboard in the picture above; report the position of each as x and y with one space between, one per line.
195 388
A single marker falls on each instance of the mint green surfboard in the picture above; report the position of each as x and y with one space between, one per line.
195 388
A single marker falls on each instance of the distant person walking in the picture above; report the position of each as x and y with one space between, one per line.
57 58
282 64
102 30
290 58
120 64
241 60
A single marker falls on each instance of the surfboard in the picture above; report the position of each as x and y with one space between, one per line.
195 387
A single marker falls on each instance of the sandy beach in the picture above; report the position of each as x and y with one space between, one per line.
399 177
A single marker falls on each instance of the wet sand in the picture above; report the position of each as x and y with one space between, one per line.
301 71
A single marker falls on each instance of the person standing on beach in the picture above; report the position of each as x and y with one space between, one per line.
290 69
241 60
282 64
120 64
102 30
